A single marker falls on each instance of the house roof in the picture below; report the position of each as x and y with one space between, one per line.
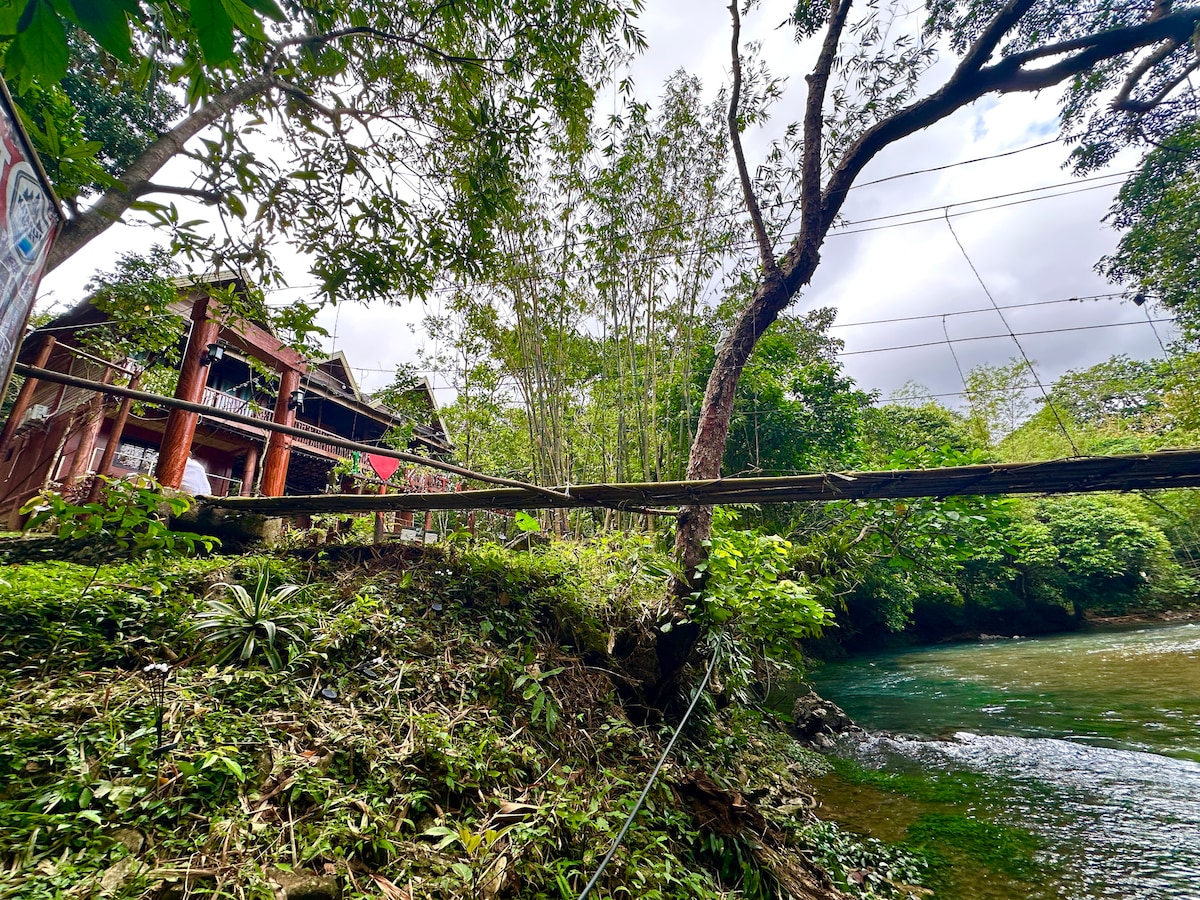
337 369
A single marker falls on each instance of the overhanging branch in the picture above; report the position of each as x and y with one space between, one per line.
765 250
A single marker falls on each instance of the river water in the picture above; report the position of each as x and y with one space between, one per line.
1080 753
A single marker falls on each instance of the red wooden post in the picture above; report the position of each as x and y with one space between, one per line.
249 470
24 396
279 446
104 467
181 426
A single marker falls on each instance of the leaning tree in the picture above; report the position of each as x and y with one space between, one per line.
379 137
1124 66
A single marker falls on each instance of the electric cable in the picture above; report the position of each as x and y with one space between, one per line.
650 781
1032 371
954 353
992 337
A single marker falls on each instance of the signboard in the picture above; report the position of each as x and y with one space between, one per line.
29 219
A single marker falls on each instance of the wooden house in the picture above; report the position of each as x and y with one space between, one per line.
61 436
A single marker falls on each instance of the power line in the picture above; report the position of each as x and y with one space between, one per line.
968 212
966 162
1012 334
993 337
979 309
1049 187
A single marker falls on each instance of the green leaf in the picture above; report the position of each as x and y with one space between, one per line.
39 52
10 16
214 28
268 8
108 23
244 19
526 522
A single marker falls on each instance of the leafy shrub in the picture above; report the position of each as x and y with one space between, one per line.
748 594
63 615
129 518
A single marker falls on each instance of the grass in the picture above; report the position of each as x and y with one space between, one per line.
451 720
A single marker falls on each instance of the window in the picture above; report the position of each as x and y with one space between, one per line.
136 456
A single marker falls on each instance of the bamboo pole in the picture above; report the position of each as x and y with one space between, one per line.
1149 471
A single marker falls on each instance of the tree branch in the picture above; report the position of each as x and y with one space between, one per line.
1177 26
765 250
985 45
1123 102
388 36
150 187
818 83
1008 75
115 201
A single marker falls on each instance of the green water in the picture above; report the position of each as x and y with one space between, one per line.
1055 767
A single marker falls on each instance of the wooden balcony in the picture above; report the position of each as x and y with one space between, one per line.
229 403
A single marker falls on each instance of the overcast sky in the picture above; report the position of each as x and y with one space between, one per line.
1028 252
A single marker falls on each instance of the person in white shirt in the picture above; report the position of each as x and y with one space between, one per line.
195 479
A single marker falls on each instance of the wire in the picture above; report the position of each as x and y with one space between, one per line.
949 343
992 337
968 212
1157 336
650 781
1032 371
967 162
978 309
1005 196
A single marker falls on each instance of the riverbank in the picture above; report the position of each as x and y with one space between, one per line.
1165 617
433 725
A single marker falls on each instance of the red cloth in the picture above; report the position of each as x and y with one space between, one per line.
385 467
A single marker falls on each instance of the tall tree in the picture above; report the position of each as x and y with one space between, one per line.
378 137
662 215
998 399
866 91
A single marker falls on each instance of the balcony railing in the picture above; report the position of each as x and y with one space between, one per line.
229 403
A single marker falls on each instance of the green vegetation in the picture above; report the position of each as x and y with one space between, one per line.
451 719
1002 848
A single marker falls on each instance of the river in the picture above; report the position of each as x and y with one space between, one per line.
1060 767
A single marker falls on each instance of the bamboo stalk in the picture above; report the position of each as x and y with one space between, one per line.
1149 471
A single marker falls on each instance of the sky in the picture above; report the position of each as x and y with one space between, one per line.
1030 251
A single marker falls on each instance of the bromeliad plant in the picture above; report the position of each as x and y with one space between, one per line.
247 623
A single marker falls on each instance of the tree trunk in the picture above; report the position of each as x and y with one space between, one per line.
716 411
